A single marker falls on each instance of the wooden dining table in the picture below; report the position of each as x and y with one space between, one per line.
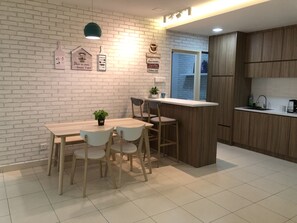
64 130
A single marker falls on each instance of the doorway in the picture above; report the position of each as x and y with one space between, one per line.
189 75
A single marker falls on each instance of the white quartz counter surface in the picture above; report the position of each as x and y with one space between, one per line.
183 102
271 112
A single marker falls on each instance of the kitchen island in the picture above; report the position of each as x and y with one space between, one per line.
197 129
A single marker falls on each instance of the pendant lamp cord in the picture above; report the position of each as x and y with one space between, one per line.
92 10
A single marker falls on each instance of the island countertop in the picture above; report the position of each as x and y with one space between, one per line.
183 102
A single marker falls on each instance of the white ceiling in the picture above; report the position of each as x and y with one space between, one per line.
274 13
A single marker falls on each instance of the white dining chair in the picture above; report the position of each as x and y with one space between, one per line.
127 145
100 142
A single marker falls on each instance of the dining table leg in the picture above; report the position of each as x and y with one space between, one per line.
50 155
61 170
147 148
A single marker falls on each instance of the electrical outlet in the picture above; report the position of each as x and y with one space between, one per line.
43 146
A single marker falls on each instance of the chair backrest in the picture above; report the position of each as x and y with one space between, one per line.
136 102
154 107
130 133
96 138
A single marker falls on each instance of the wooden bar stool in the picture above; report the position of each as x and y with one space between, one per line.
137 109
160 124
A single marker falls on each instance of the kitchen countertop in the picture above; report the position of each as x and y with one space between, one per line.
271 112
183 102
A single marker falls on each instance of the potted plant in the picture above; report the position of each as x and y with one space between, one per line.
100 116
154 92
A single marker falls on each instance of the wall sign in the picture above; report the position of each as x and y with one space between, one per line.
81 59
101 62
59 57
153 59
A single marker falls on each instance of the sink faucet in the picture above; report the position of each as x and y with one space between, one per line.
264 105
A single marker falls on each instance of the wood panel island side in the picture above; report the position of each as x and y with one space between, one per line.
197 129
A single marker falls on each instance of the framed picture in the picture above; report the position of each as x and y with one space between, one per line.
81 59
101 62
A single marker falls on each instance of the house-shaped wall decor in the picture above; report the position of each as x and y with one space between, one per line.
81 59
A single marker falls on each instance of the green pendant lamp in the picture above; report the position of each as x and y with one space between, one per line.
92 30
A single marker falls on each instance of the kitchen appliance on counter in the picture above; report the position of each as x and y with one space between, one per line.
292 106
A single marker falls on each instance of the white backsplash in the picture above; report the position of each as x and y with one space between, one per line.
277 90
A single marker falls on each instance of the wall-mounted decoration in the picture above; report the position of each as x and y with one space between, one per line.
101 62
153 59
59 57
81 59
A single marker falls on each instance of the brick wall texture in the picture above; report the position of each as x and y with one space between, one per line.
33 93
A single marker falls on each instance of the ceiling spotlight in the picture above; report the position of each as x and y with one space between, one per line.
216 30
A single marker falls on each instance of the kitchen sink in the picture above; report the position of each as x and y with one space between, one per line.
258 108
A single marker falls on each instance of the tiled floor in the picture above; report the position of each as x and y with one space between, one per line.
241 187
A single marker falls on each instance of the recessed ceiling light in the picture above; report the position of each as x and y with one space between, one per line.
216 30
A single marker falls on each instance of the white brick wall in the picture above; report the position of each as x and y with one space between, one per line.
32 92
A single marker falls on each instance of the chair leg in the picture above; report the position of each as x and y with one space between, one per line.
85 178
50 155
159 144
142 165
120 171
131 162
56 155
111 173
177 143
100 166
73 169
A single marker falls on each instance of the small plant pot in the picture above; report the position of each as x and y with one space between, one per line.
101 122
154 95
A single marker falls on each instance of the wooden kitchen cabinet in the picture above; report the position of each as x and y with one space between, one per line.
278 132
289 51
222 53
293 139
289 68
265 69
272 44
258 131
221 91
254 47
241 127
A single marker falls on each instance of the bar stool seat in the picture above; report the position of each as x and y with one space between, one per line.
163 119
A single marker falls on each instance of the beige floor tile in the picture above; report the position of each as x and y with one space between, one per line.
281 206
51 182
124 213
23 189
92 217
148 204
268 185
223 180
176 215
69 192
229 200
147 220
259 170
5 219
2 193
289 194
205 210
181 195
204 188
162 183
73 208
243 175
16 179
44 214
4 208
28 202
282 178
108 199
258 214
249 192
230 218
137 190
294 219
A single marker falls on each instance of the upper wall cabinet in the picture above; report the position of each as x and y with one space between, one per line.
272 45
289 51
254 47
222 54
